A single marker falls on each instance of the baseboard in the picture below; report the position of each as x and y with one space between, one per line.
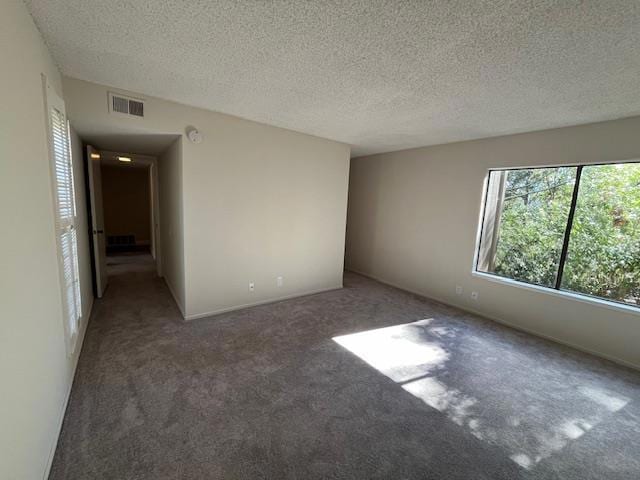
63 411
175 298
551 338
261 302
504 322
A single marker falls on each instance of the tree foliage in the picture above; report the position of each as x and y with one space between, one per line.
604 249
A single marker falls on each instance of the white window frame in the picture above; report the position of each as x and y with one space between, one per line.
65 213
579 297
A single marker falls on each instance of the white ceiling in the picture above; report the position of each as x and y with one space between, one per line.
379 75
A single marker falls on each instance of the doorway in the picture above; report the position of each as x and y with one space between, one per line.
123 194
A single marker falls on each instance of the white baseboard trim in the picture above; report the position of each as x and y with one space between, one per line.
261 302
65 403
175 297
506 323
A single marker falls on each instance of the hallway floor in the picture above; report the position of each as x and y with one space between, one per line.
364 382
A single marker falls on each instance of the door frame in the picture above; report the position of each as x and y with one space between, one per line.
95 230
154 201
154 184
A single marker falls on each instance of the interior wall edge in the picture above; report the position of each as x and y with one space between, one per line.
197 316
175 297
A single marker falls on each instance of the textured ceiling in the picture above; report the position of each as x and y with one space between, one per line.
379 75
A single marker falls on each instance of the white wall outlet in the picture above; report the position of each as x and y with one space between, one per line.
458 290
279 281
474 295
252 286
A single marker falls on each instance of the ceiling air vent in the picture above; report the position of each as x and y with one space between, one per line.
136 108
125 105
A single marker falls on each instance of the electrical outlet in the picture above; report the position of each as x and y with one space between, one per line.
458 290
279 282
252 286
474 295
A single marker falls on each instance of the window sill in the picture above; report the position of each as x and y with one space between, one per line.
620 307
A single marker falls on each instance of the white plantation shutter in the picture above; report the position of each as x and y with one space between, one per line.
65 213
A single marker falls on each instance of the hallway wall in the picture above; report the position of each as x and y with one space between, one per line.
36 371
172 221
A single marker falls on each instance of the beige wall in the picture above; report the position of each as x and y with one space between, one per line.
126 197
262 202
171 221
413 219
35 371
258 201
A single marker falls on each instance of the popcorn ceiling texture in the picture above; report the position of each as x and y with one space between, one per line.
379 75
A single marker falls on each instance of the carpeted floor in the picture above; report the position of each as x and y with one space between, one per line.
367 382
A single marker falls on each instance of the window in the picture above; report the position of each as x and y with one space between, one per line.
65 213
571 228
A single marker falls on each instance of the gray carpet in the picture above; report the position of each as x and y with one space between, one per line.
365 382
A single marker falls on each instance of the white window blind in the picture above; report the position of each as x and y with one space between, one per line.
65 214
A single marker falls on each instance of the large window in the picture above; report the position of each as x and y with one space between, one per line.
572 228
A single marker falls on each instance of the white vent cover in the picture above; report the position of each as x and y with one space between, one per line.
125 105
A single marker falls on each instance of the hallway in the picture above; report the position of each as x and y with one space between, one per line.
122 360
314 388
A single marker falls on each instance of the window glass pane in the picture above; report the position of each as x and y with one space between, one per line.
604 250
524 223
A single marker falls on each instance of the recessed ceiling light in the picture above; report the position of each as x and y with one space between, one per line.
95 155
124 159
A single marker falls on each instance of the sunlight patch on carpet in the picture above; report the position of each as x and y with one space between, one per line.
418 356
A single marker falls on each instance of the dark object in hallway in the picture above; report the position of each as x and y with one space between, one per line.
316 387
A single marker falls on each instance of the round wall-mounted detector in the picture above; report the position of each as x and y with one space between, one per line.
194 135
